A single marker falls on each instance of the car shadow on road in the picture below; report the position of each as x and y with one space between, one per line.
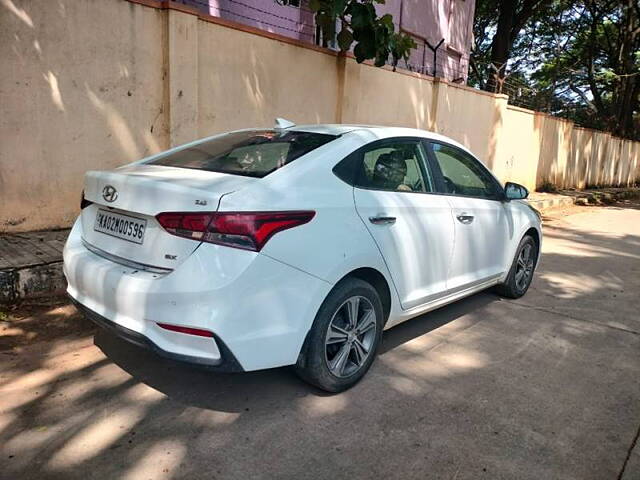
235 392
428 322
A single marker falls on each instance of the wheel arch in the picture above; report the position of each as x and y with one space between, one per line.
533 232
537 237
378 281
373 277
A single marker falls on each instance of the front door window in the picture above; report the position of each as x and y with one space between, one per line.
462 173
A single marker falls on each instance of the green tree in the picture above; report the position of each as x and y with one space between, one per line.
578 59
497 30
373 37
598 68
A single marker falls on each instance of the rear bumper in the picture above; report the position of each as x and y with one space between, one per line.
226 363
258 309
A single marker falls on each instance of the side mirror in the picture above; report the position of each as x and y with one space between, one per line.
515 191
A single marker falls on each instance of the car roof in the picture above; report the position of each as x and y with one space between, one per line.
331 128
375 132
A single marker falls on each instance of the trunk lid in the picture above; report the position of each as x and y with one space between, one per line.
126 201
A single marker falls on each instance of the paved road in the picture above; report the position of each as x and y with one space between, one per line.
544 387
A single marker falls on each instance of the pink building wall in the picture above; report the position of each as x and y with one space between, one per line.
293 22
428 21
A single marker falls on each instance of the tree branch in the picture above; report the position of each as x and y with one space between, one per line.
583 96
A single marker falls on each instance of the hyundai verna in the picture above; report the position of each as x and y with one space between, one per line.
296 245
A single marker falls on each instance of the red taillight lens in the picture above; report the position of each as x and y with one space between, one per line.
188 225
84 203
246 230
188 330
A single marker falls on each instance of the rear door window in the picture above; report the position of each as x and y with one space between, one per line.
395 166
253 153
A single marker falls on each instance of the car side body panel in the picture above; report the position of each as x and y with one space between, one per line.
336 242
480 245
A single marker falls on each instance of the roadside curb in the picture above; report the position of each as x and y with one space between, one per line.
29 282
605 196
545 202
544 205
31 265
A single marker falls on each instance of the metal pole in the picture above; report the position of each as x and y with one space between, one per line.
434 49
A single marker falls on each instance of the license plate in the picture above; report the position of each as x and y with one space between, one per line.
121 226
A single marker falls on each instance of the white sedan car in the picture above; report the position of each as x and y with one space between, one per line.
296 245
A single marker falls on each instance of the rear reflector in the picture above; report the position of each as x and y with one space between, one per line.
246 230
188 330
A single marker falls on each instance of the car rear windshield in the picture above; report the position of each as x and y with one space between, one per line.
253 153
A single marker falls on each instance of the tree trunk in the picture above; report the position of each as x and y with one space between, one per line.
501 44
625 95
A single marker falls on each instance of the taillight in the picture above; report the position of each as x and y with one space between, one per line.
246 230
84 203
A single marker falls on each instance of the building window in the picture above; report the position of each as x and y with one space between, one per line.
289 3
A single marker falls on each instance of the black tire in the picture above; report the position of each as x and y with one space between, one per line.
314 363
513 287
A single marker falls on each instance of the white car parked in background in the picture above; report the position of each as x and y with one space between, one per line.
295 245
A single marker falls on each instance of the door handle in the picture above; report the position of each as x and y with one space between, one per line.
465 218
380 220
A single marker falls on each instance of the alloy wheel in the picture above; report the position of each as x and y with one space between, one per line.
350 336
524 267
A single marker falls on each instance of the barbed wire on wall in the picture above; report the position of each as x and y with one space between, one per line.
454 70
258 16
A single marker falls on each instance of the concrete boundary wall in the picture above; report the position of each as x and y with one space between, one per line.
93 84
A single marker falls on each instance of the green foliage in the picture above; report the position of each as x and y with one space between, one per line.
372 37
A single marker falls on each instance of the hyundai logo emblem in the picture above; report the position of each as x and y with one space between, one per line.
109 193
